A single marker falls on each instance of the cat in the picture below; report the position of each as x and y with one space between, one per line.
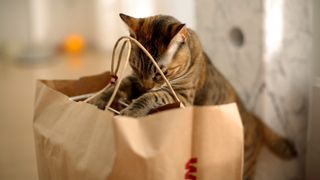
179 53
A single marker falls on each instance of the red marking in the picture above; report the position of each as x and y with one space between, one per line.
114 79
191 169
190 177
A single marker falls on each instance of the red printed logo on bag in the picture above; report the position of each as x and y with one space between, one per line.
191 169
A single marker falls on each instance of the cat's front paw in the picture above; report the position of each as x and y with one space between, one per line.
131 112
99 102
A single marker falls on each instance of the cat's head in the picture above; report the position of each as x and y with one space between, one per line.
166 40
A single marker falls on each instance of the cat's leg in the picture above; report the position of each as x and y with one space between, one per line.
253 143
249 169
145 103
130 88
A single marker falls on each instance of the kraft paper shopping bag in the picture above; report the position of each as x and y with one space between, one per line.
191 143
75 140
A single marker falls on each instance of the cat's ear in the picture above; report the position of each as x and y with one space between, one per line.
178 39
181 35
131 22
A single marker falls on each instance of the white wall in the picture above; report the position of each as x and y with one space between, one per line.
316 20
96 20
22 22
183 10
13 21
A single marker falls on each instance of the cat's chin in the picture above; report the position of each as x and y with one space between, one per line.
155 88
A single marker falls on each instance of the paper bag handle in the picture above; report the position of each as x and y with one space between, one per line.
115 68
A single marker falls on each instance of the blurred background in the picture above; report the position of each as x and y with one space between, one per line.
268 49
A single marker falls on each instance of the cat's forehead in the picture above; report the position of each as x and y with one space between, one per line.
156 27
156 32
159 22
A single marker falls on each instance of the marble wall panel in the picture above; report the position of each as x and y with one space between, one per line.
270 69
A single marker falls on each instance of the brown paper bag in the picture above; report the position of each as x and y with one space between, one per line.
75 140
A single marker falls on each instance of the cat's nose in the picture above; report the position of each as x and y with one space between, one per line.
148 85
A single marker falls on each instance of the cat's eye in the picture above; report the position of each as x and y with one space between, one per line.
157 77
165 71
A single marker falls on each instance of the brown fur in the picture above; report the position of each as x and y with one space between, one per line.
193 77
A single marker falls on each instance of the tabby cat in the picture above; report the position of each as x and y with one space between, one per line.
194 78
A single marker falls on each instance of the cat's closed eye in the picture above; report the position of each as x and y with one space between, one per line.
158 78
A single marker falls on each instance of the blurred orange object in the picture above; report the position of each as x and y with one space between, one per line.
74 44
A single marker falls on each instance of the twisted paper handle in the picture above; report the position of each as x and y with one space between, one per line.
116 65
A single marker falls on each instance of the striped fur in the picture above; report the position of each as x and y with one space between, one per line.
196 81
